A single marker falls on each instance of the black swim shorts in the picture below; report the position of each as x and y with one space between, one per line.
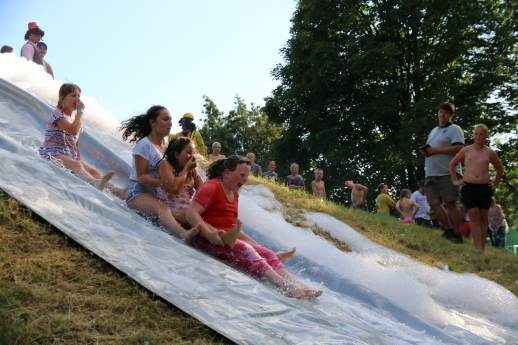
477 195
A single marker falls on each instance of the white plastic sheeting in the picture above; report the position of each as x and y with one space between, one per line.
351 311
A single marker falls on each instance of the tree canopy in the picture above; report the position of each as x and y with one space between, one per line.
244 129
362 79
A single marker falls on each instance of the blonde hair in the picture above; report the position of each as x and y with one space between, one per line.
482 126
215 143
405 193
292 164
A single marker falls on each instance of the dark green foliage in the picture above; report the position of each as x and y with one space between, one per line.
243 130
362 80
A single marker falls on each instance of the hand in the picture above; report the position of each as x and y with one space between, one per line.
493 187
459 183
80 105
191 164
422 152
432 151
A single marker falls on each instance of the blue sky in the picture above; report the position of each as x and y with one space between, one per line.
130 55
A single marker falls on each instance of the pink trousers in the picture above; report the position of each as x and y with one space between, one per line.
251 257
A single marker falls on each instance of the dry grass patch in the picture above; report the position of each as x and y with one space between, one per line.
54 291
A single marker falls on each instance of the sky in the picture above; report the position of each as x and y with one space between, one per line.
134 54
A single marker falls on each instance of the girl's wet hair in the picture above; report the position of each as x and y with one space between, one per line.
217 168
405 192
64 90
139 126
177 145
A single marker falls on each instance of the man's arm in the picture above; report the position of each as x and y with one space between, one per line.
364 191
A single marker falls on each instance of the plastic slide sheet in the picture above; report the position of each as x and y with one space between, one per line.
234 304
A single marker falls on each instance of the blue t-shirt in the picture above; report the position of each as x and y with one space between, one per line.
295 181
255 169
448 135
270 174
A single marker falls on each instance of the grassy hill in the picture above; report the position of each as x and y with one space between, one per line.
54 291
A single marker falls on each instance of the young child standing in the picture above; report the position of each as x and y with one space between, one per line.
318 186
254 168
477 188
295 181
406 207
384 201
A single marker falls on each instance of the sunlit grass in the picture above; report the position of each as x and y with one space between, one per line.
424 245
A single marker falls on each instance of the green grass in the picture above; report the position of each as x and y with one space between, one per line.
54 291
422 244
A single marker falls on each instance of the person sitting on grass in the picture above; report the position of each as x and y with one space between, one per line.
477 188
61 144
406 207
384 201
215 206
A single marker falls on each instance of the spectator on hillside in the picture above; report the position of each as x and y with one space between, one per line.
443 143
216 152
295 181
6 49
42 49
422 218
406 207
358 195
271 174
318 186
255 168
29 49
477 187
189 131
384 201
497 225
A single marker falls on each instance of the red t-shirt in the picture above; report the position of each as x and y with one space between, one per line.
219 212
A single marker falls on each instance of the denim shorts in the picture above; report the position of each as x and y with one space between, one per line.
136 188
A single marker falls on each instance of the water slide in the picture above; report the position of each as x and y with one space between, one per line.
372 295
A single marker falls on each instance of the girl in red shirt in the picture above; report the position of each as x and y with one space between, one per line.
215 207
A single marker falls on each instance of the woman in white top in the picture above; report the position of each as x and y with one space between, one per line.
149 131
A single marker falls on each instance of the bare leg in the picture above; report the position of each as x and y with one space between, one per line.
475 226
483 228
440 213
293 287
286 256
230 237
454 215
151 206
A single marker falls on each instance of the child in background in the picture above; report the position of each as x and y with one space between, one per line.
271 174
384 201
318 186
254 168
216 152
295 181
477 188
179 179
406 207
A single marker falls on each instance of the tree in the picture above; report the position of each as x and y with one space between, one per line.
243 130
362 80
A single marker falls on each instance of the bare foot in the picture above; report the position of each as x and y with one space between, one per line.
189 234
230 237
101 183
121 192
286 256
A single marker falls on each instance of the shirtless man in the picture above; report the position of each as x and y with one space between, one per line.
358 195
406 207
477 188
318 186
497 224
